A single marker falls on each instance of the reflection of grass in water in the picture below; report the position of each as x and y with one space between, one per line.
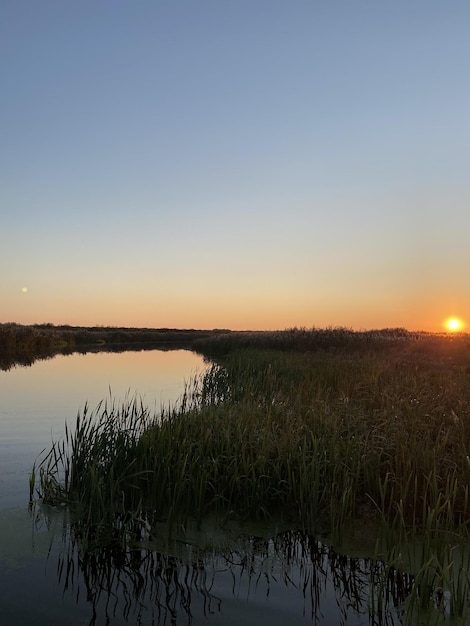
291 575
317 439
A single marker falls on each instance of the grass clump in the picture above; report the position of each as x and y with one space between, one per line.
314 438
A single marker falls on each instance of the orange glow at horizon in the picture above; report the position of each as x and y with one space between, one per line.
236 309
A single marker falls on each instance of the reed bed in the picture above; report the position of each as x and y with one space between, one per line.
304 339
319 441
316 439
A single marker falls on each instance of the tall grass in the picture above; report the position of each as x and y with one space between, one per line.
316 439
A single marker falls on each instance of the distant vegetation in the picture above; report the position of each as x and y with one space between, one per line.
20 344
306 339
25 344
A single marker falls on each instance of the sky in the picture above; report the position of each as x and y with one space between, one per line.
243 164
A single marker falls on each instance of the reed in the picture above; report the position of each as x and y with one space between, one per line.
315 438
318 440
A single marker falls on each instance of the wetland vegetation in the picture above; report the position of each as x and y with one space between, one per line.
23 345
327 433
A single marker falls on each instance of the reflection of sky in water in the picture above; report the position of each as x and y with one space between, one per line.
36 401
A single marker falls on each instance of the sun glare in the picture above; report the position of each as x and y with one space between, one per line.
453 324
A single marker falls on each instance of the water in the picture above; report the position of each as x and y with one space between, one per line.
210 577
36 401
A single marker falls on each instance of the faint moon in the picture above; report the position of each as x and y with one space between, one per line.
24 289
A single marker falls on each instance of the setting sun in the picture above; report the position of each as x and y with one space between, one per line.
453 324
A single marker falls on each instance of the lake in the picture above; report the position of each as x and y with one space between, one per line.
208 576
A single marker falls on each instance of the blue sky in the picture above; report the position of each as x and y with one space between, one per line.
242 164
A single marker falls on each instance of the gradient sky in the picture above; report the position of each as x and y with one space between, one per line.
244 164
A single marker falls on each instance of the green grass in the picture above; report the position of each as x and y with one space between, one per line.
314 438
